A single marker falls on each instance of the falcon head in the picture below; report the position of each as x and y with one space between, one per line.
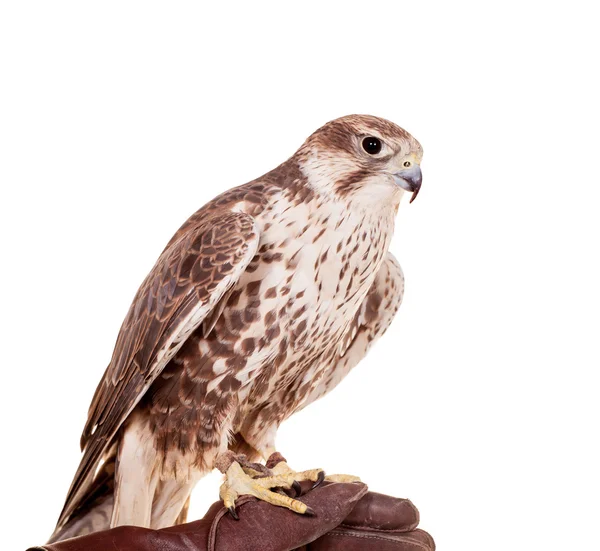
363 159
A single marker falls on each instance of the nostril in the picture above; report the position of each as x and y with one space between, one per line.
407 164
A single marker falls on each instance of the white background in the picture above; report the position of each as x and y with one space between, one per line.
119 119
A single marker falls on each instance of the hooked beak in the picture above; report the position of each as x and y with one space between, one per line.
410 179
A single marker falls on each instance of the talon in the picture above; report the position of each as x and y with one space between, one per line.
310 512
233 513
297 488
319 481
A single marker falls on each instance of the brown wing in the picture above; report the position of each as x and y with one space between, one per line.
186 283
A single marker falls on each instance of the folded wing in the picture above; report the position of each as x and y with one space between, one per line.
187 282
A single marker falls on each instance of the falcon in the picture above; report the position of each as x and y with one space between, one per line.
261 303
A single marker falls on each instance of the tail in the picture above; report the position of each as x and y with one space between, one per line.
95 510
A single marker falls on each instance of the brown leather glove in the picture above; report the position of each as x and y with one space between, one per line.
377 522
347 516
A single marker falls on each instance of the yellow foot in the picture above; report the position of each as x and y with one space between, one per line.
278 465
314 475
238 483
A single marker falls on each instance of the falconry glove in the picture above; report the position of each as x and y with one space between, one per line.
347 517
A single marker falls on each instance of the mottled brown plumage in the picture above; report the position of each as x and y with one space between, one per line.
261 303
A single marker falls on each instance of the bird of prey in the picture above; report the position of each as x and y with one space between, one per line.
260 304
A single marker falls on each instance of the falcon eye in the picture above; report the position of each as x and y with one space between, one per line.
372 145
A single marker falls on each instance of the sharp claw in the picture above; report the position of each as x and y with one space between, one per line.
233 513
310 512
320 479
296 487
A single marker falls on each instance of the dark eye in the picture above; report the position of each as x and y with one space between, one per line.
372 145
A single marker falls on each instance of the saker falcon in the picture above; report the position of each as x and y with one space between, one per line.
260 304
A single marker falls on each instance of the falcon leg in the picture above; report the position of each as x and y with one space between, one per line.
241 481
266 481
